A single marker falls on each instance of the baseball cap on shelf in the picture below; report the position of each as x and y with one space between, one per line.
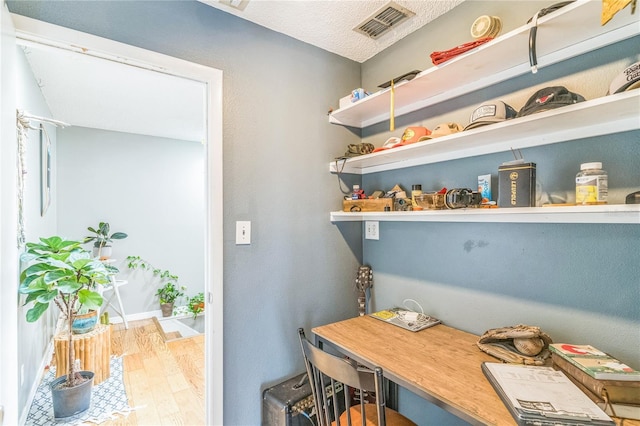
489 113
410 135
627 80
549 98
413 134
390 143
443 129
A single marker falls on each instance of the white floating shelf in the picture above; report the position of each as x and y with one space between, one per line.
617 213
601 116
568 32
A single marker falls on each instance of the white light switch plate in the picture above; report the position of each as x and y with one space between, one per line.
243 232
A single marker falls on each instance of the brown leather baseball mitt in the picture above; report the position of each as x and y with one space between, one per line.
519 344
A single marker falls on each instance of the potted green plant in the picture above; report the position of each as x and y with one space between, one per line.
101 240
168 294
169 290
62 272
196 304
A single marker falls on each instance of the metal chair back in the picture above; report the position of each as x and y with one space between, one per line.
326 372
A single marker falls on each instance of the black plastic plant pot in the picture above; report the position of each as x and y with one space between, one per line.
68 402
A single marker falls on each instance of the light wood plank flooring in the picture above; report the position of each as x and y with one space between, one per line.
164 380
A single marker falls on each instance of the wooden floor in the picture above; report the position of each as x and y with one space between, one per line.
164 380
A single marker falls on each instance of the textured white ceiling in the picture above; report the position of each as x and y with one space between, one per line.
329 24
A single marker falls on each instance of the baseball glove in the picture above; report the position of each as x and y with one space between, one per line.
519 344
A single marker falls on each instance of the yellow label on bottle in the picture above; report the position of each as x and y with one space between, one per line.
586 194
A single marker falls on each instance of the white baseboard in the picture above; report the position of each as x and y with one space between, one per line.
135 317
117 319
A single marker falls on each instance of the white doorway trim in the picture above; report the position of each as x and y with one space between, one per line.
53 35
9 274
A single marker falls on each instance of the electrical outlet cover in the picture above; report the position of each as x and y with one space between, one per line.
371 230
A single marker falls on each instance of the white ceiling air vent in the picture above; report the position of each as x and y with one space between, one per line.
383 19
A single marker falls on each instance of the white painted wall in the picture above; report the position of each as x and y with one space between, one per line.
151 188
8 250
35 337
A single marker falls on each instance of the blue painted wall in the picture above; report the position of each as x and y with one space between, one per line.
579 282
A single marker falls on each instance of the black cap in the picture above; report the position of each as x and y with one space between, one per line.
549 98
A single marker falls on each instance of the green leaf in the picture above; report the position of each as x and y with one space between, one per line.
32 296
69 245
118 235
36 312
46 297
90 299
37 269
27 257
81 263
56 275
53 242
36 285
61 263
69 287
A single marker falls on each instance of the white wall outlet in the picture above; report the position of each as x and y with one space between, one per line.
243 232
371 230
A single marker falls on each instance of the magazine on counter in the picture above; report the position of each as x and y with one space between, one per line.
538 395
409 320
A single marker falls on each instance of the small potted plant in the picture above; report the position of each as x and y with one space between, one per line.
101 240
196 304
62 272
169 292
168 295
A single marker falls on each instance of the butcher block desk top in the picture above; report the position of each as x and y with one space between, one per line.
440 364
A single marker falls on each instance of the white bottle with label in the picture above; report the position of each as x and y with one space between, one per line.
592 185
355 192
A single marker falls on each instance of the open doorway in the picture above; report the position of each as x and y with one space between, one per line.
53 40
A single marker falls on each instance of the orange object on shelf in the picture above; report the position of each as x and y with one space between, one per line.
439 57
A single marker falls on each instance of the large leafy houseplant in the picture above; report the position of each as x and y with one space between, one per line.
64 273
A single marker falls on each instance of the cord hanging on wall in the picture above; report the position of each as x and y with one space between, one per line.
23 124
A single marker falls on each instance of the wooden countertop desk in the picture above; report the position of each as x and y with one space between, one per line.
440 364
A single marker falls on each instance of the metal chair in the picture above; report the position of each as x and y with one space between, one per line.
326 372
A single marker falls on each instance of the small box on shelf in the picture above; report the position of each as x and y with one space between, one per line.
517 185
368 205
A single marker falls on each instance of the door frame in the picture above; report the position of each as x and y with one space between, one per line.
65 38
9 274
